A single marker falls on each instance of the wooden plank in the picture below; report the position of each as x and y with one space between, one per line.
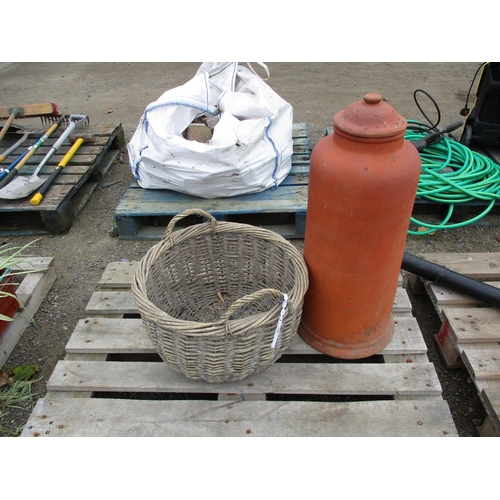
417 379
464 326
118 275
123 302
82 159
488 429
109 335
42 108
482 360
31 293
483 266
406 358
402 302
125 336
473 324
491 402
120 418
114 302
34 263
442 296
149 202
290 231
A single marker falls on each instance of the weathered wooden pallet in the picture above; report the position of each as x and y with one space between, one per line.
470 329
145 213
32 289
113 383
72 189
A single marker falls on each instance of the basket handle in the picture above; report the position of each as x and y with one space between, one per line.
255 296
187 213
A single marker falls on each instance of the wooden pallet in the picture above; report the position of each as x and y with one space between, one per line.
72 189
31 292
145 213
470 330
112 383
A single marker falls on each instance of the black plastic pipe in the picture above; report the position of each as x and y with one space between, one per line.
445 277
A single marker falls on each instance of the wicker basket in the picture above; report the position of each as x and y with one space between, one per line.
220 300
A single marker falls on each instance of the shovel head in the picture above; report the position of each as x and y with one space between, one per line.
20 187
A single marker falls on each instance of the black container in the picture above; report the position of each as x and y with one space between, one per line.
483 122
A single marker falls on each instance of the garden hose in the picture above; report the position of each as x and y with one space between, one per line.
452 174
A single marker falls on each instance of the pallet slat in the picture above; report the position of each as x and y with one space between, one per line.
417 379
468 325
121 336
123 302
491 401
99 418
483 266
482 360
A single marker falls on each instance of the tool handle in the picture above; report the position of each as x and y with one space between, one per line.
52 150
36 200
7 125
12 172
7 152
8 177
18 160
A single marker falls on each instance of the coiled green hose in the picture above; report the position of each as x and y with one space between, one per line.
452 173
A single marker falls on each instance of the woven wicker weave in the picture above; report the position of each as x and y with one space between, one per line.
211 296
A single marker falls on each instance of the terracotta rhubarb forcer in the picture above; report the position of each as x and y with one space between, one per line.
362 186
8 303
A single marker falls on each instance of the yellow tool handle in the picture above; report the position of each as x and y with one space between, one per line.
46 185
70 153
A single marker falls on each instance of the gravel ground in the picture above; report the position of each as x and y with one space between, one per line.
119 92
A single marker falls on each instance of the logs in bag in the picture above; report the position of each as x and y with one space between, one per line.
251 145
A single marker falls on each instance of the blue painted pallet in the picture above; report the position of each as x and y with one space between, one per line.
145 213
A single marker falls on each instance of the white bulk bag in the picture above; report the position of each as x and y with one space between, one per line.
251 146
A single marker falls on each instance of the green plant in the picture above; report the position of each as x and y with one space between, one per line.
12 260
16 394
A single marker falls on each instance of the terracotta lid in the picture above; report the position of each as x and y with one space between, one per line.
371 117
